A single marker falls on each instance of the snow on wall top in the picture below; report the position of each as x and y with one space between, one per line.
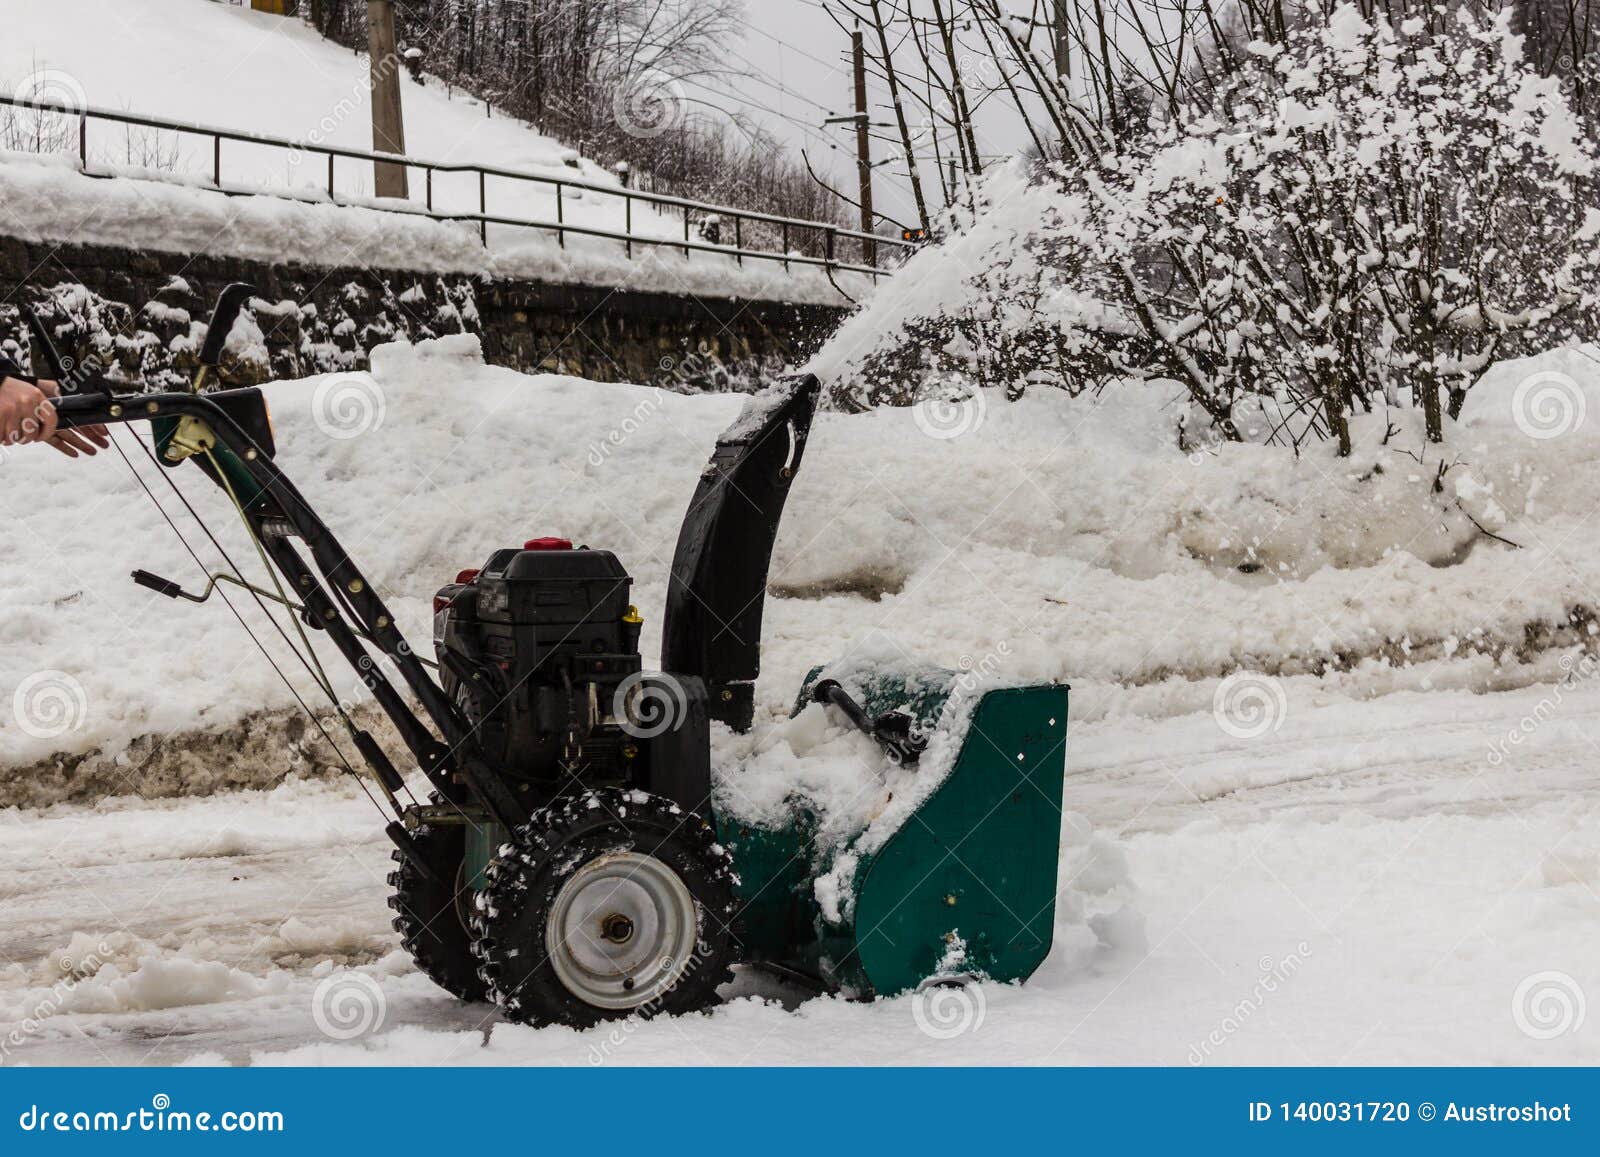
48 200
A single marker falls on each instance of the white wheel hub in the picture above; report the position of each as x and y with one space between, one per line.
622 930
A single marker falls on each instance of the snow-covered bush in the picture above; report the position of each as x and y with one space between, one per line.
1365 212
1357 215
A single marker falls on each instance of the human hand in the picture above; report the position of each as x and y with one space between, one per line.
81 439
26 414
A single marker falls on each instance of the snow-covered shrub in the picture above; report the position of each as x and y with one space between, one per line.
1357 215
1364 212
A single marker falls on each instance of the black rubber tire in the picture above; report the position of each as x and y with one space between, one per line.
428 915
522 884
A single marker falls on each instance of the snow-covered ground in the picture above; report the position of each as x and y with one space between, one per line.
1331 752
1363 886
217 64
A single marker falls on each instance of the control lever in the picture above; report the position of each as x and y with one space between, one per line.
172 590
54 364
891 730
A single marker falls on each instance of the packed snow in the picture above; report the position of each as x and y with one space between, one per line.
1362 886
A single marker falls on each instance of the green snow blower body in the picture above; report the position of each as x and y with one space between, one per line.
964 886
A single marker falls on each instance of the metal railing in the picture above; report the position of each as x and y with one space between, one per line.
869 246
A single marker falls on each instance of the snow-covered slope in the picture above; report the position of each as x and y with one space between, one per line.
224 65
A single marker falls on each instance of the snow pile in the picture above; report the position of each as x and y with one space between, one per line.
119 972
820 774
1057 539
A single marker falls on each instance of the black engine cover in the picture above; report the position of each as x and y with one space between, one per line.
541 651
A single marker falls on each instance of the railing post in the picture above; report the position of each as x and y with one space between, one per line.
831 236
330 176
83 140
738 241
430 189
561 219
786 246
686 231
627 223
216 160
483 208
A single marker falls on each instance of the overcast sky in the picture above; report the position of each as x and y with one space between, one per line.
798 61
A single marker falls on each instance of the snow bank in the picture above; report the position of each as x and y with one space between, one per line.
1057 539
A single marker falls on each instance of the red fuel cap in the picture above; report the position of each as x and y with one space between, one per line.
548 544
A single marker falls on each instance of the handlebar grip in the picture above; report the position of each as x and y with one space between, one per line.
75 410
155 582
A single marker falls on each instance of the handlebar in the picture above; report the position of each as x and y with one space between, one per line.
74 410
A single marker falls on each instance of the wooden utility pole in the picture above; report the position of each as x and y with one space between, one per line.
858 56
388 121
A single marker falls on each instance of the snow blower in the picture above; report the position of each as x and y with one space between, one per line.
570 863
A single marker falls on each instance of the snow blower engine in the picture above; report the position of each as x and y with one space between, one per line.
569 862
